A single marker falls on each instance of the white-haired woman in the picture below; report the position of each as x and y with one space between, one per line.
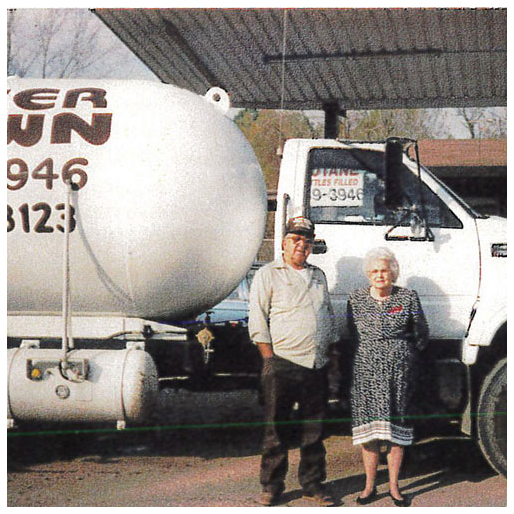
389 329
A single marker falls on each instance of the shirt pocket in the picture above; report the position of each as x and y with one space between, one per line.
317 292
285 296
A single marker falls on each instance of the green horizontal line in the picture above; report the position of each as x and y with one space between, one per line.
226 425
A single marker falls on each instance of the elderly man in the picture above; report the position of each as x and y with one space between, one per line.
292 322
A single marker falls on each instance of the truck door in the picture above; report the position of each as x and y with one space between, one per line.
344 198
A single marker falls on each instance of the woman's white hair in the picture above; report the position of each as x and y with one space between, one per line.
378 254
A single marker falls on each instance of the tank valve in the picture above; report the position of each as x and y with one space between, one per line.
219 98
75 371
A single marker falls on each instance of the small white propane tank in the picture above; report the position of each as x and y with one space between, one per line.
169 208
105 386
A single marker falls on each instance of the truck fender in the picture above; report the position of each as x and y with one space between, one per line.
481 332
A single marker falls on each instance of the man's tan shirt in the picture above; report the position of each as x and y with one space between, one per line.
293 314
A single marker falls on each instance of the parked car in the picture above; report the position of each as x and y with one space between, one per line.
233 309
223 334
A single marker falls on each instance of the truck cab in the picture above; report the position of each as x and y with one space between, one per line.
362 195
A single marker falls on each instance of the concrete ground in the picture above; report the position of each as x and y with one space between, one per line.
203 449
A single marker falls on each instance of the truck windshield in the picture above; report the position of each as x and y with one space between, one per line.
458 199
347 186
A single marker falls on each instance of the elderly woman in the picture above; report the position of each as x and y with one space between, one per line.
389 328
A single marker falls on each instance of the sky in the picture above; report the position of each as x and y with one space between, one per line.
120 63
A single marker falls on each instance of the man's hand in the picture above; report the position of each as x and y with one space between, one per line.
334 372
266 350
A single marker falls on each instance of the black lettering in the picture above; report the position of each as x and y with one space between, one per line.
28 136
94 95
10 219
29 99
20 178
25 221
48 176
77 176
41 226
96 133
71 222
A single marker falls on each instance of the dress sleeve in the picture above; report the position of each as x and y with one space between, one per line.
420 325
334 325
350 320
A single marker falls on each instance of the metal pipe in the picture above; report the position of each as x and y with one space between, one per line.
286 199
66 298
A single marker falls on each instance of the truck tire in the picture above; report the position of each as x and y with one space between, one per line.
492 417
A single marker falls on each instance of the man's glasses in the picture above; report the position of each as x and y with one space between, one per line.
297 239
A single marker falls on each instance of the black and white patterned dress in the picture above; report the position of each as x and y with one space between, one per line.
388 336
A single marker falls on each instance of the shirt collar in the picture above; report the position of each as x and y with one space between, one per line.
279 263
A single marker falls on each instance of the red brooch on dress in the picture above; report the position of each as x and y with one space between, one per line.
395 310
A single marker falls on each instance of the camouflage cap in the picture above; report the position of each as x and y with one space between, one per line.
300 225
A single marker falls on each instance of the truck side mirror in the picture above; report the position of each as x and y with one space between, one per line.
320 246
393 158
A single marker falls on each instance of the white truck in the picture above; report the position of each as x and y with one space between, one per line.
362 195
134 206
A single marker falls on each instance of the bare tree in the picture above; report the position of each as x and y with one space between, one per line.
60 43
482 123
470 118
495 124
20 58
48 25
379 124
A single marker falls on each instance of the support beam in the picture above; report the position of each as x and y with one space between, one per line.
332 112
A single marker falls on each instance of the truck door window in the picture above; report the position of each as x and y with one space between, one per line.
347 186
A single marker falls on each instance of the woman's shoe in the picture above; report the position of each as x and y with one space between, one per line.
404 502
367 499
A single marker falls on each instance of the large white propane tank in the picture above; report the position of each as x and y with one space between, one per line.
116 386
170 206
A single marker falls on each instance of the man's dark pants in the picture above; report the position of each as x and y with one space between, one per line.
283 384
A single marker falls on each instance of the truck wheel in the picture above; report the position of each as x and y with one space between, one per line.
492 418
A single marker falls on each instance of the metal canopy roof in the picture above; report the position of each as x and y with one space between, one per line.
355 58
